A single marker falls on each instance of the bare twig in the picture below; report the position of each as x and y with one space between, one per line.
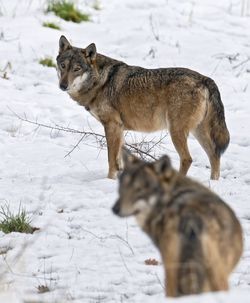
124 241
156 35
7 66
104 238
124 263
230 57
159 281
75 146
242 63
143 148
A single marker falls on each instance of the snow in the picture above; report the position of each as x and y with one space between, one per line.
82 252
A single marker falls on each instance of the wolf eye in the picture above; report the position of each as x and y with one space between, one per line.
137 186
62 65
76 69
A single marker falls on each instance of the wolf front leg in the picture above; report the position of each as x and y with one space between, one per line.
114 137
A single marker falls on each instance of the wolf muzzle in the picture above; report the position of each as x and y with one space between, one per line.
63 86
116 208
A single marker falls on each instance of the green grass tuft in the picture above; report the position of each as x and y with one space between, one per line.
14 223
47 62
66 10
51 25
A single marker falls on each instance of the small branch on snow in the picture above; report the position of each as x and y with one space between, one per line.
230 57
155 34
241 63
143 148
159 281
124 263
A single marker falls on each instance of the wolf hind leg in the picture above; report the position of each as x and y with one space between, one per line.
191 278
217 274
203 136
179 139
170 257
218 280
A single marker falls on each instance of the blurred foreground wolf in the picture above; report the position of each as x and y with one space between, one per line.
124 97
198 235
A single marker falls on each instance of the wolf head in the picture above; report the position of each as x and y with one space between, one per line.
76 67
140 185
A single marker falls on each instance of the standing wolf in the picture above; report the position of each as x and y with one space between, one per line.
198 235
124 97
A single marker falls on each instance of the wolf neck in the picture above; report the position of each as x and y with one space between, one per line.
105 69
170 199
154 222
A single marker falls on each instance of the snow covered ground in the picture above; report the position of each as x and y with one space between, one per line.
82 252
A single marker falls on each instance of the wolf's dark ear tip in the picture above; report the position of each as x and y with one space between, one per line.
163 164
126 155
129 159
92 46
166 159
62 39
90 51
64 43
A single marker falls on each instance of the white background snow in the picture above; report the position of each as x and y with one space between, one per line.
82 252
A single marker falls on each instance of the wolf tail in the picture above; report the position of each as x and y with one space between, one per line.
192 272
218 128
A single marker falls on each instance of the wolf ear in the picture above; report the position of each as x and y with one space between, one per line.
128 158
90 52
162 165
63 44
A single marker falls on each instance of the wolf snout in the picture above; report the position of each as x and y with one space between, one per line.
63 86
116 208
